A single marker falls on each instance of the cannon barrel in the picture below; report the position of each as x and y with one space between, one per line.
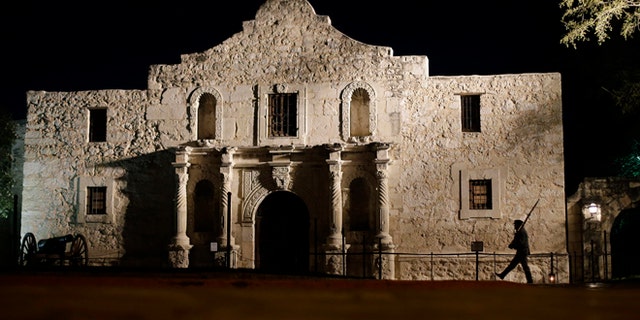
54 245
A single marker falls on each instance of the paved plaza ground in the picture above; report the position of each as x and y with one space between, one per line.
142 294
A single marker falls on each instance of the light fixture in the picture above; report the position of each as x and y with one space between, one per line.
592 212
552 277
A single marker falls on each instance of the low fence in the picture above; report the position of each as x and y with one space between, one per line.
545 267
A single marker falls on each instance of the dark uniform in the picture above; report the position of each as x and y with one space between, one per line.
520 243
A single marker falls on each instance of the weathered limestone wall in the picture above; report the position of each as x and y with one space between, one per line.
521 138
58 157
287 48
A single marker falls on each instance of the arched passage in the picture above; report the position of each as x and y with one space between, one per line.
625 244
282 234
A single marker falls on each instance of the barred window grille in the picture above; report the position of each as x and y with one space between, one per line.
470 113
283 115
96 200
480 195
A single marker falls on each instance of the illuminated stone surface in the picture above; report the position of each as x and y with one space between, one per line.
415 162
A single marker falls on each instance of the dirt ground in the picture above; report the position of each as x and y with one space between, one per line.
63 294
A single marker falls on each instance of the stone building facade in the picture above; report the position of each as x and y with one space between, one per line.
291 147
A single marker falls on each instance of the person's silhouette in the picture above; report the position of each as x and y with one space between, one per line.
520 243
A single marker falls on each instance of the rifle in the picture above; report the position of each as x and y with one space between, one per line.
528 215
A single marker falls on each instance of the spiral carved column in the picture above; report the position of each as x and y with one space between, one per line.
385 242
180 244
226 169
334 247
335 183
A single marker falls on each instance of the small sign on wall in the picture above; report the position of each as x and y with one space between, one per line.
477 246
213 246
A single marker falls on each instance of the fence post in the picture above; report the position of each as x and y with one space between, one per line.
380 258
344 255
606 260
477 264
552 273
364 254
228 230
431 266
315 245
593 262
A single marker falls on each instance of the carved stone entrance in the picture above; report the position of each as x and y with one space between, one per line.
625 244
282 234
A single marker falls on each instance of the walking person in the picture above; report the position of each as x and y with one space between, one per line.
520 243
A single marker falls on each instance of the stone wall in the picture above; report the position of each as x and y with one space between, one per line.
288 48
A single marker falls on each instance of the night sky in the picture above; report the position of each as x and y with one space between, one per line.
111 44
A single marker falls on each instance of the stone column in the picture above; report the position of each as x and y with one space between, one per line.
384 240
335 183
180 244
226 169
334 247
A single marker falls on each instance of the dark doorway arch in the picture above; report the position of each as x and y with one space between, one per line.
625 244
282 234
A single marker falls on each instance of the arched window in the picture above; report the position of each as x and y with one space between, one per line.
359 116
206 217
207 116
360 209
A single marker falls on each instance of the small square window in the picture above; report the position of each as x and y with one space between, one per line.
97 125
480 195
470 113
96 200
283 115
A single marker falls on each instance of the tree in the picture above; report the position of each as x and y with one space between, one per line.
7 137
629 165
582 17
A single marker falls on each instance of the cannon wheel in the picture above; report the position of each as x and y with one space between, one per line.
28 249
79 254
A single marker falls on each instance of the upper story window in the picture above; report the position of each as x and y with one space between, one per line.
283 115
470 105
97 125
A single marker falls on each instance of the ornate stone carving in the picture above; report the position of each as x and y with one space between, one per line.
281 177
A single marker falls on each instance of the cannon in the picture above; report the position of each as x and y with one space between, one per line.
68 250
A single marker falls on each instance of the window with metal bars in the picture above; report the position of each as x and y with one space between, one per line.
96 200
470 113
480 194
283 115
98 125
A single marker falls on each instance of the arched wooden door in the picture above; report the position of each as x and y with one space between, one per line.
282 234
625 244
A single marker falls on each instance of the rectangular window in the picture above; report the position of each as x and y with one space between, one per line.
97 125
480 195
96 200
283 115
470 113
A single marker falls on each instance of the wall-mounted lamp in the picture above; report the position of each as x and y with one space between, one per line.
592 212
